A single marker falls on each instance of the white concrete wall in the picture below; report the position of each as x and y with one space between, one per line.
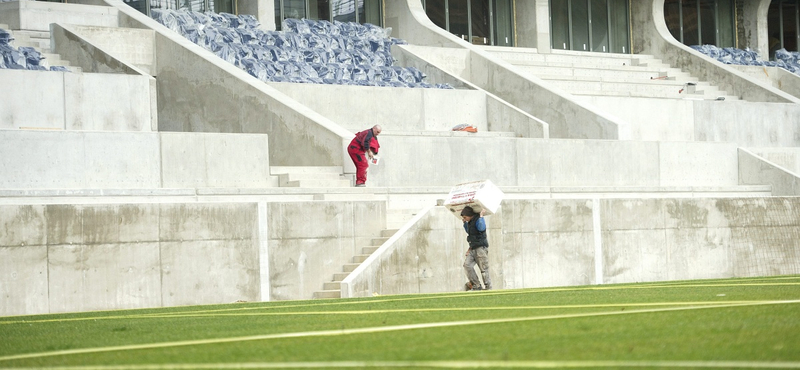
65 258
38 15
32 159
396 109
76 101
566 242
742 122
439 161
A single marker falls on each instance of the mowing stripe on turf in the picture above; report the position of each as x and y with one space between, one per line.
379 329
440 364
168 315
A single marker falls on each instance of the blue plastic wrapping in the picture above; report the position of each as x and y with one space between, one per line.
5 37
783 59
306 51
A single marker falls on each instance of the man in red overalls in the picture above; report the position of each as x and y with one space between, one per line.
364 145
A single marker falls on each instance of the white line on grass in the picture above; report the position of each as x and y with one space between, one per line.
379 329
438 364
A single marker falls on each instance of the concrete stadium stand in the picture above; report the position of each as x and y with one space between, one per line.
566 242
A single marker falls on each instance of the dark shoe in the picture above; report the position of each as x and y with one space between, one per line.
360 185
475 289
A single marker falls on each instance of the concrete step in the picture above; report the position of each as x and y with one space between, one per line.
316 183
371 249
286 178
327 294
339 276
349 267
616 74
359 258
389 232
332 285
449 133
278 170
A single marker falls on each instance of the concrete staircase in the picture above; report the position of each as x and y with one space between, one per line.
622 75
396 218
332 289
310 176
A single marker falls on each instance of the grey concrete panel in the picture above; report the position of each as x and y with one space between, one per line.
635 256
413 161
23 280
107 102
208 222
9 14
765 251
299 266
323 220
440 256
103 276
634 163
217 161
764 212
37 101
633 214
748 123
443 109
710 164
22 226
699 253
210 271
263 10
556 259
505 117
545 215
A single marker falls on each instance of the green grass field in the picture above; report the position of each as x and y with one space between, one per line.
736 323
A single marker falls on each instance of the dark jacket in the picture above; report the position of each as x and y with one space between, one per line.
475 236
364 141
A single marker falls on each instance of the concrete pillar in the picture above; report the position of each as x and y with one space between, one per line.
263 10
647 18
533 24
754 23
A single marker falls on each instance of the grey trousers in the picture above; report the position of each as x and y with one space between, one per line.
479 256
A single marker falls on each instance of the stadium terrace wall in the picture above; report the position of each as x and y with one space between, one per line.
31 159
567 242
82 257
508 161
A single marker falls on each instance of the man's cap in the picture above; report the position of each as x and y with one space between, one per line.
467 211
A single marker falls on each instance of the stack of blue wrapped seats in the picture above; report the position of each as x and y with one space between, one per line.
306 51
23 57
789 61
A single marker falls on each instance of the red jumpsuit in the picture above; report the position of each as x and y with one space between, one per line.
364 140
